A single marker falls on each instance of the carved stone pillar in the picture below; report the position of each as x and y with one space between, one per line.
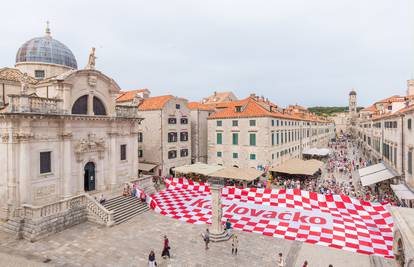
112 159
23 182
67 164
90 104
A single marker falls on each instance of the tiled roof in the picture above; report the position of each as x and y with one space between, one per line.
217 97
200 106
12 74
154 103
371 108
252 107
129 95
391 99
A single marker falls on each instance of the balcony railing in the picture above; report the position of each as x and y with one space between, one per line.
126 111
34 104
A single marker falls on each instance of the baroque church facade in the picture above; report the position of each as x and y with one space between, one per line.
61 132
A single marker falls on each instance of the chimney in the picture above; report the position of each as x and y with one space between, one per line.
252 95
215 93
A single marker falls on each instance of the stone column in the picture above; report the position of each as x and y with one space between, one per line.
67 165
216 210
217 233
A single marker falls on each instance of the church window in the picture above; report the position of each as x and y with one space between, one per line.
39 74
81 105
45 162
98 107
123 152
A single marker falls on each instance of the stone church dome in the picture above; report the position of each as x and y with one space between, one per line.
46 50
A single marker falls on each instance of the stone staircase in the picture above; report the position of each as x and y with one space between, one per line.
125 208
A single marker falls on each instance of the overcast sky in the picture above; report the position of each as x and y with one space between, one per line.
309 52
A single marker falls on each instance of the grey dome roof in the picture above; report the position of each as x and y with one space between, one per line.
46 50
352 92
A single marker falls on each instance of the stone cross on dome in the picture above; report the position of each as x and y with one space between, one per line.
47 28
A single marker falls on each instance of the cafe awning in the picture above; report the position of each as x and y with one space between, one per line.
146 166
299 167
402 191
375 174
198 168
242 174
322 152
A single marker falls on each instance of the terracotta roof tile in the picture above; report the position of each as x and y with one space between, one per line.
394 98
12 74
154 103
371 108
129 95
200 106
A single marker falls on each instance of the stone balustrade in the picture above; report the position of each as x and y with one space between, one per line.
101 214
39 212
126 111
34 104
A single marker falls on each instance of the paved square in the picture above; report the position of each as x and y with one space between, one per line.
128 244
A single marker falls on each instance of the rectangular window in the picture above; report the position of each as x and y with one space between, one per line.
235 138
184 121
219 123
123 152
184 136
252 139
235 155
410 162
252 122
172 121
172 154
277 122
219 138
172 137
219 154
140 153
253 156
273 139
184 153
177 106
235 123
277 138
273 122
140 137
409 124
45 162
39 74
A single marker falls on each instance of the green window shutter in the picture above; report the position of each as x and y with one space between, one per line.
253 156
273 139
219 138
235 155
219 154
252 139
235 138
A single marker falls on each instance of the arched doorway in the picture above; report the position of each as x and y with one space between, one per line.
89 176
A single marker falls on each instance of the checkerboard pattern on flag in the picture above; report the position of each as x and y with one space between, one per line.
336 221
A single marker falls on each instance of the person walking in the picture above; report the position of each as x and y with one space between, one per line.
234 245
206 237
305 264
151 259
228 227
166 249
280 261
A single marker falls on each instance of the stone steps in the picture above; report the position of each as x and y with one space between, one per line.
125 208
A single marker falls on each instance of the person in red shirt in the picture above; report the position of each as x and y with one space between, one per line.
166 249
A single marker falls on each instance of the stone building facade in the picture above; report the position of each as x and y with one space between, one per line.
62 136
255 132
165 132
385 132
199 132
